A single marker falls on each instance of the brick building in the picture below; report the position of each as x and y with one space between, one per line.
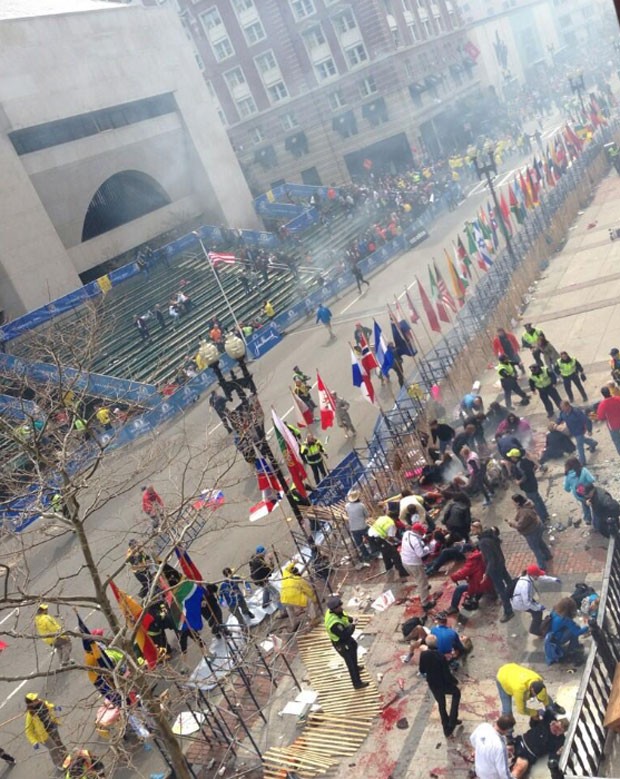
311 90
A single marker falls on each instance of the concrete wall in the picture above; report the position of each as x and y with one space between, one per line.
55 67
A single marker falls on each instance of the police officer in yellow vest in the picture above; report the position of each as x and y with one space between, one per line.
340 628
507 371
571 371
542 380
313 453
382 536
529 340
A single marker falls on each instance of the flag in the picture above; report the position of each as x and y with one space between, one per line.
188 596
362 379
493 225
400 314
457 282
515 206
505 213
217 257
484 258
532 181
428 309
402 336
526 192
289 447
305 415
208 499
472 248
442 287
190 571
463 257
384 355
96 657
369 361
136 616
573 138
262 509
266 478
441 309
327 404
414 317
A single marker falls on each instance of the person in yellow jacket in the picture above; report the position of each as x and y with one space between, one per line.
41 727
82 764
522 685
50 630
296 594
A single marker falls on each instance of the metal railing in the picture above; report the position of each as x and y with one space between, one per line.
586 738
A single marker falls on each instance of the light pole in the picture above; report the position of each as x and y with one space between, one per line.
486 170
247 419
578 87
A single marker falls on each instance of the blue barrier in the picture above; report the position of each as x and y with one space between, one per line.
339 481
18 408
263 340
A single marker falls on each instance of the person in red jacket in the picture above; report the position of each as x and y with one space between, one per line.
506 343
473 580
152 505
609 411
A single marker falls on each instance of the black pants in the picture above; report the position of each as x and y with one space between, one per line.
501 581
348 651
319 471
186 635
448 721
145 580
390 556
537 618
548 394
574 379
510 385
5 756
212 613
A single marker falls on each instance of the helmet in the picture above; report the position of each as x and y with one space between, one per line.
31 696
260 550
43 607
513 453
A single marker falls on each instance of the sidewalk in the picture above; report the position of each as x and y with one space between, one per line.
576 302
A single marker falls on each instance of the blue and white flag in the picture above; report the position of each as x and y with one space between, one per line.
385 358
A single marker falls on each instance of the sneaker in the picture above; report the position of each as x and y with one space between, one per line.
592 448
407 658
486 502
557 709
507 617
428 606
361 685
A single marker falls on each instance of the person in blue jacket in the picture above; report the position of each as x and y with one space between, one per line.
562 639
576 479
324 316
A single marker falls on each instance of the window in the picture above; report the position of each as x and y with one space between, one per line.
345 22
336 100
199 60
428 28
246 107
301 9
254 33
368 87
356 55
414 31
289 121
325 69
211 20
266 62
314 38
222 50
257 135
234 78
277 92
243 5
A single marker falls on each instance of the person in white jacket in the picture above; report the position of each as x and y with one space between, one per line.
490 753
413 550
524 596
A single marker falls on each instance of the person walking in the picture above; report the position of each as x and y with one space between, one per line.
142 328
358 515
490 545
609 411
441 434
524 596
261 570
576 423
211 610
314 455
343 418
577 479
233 597
571 371
548 352
324 316
490 751
383 534
413 550
157 313
359 277
51 632
152 505
141 565
340 628
506 344
41 727
302 390
542 381
297 595
434 667
523 471
530 526
507 372
519 685
529 340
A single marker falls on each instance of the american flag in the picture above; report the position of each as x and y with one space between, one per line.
216 257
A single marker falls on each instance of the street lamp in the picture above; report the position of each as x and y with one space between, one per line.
578 87
247 419
486 170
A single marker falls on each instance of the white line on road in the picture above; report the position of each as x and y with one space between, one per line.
346 308
15 691
9 615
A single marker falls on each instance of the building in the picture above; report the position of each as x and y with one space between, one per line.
107 139
320 90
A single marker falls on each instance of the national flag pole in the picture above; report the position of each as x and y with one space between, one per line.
221 288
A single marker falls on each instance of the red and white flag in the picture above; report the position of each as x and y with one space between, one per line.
305 415
368 359
270 487
216 257
289 447
361 378
263 508
413 314
327 404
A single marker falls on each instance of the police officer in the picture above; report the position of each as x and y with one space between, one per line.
529 340
340 628
382 534
542 380
571 371
507 371
313 454
141 565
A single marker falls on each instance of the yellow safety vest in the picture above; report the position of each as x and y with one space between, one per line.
382 525
543 380
332 619
567 368
531 338
507 367
313 453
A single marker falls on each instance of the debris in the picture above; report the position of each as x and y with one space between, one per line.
403 723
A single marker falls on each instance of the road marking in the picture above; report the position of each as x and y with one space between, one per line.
15 691
9 615
346 308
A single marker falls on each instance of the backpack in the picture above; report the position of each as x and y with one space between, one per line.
580 592
410 624
512 586
545 625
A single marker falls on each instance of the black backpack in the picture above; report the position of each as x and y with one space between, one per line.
580 592
511 587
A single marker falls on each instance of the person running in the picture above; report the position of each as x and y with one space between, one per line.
507 372
359 277
340 628
435 669
324 316
571 371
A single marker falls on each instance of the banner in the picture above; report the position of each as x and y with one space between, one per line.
338 482
264 339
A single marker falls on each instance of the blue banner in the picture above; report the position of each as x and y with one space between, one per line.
337 483
264 339
18 408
